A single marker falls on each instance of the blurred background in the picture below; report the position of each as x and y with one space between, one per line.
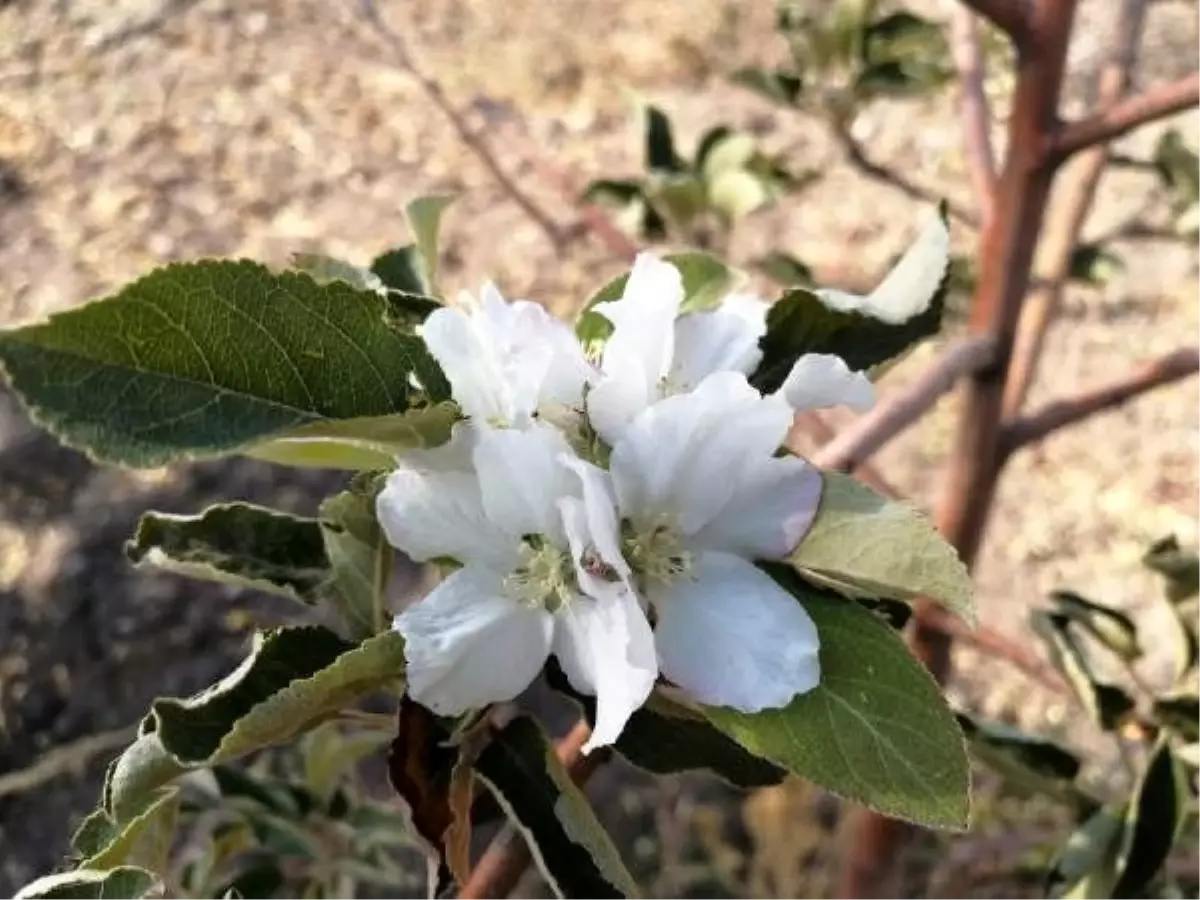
136 132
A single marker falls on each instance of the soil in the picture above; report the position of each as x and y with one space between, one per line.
135 132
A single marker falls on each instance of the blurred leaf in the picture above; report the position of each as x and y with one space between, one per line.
681 197
404 312
90 884
206 358
424 216
570 847
359 556
903 55
1093 265
732 150
1153 823
1034 762
325 269
330 751
1109 626
786 269
401 270
962 276
706 280
736 193
1107 704
238 544
144 841
1180 567
1189 754
262 878
1086 865
1177 169
777 86
863 545
1180 713
895 612
876 730
660 145
714 136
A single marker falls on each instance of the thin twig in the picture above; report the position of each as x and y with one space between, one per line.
471 138
1156 103
887 419
592 218
973 107
63 759
1010 16
1061 413
508 856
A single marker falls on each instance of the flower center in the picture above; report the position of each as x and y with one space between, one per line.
544 579
657 552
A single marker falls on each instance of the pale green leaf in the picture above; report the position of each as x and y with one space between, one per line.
876 730
865 545
424 216
325 269
145 840
359 556
90 884
737 193
733 150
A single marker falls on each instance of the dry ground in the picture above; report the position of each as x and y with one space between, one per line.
133 132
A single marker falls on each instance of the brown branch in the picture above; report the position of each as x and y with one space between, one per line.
591 218
1010 16
1073 197
1156 103
1061 413
508 856
472 139
887 419
973 107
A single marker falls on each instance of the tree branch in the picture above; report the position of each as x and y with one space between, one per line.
973 107
1156 103
1061 413
472 139
1010 16
887 419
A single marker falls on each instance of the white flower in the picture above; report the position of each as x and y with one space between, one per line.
536 531
505 360
702 494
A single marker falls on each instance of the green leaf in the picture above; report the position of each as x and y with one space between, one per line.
325 269
786 269
359 556
727 152
90 884
660 145
736 193
800 322
680 197
1086 865
424 216
613 191
1091 264
1109 626
1177 168
1180 713
706 281
363 444
864 545
293 678
239 544
708 142
1033 762
777 86
569 845
1153 822
875 730
1181 568
1107 704
144 841
200 359
329 752
401 270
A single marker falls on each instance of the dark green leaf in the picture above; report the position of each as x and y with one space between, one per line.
325 269
1091 264
1181 568
786 269
1180 713
401 270
90 884
1109 626
1028 760
660 145
618 193
406 310
708 143
777 86
239 544
205 358
569 845
1107 704
1153 822
706 280
1087 865
876 730
1177 168
262 878
359 555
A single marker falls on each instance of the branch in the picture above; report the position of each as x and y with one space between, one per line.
466 133
591 218
508 856
973 107
1010 16
1156 103
887 419
1061 413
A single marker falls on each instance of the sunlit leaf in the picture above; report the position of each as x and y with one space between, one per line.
1153 822
424 216
1180 713
1086 867
736 193
1109 626
778 86
1107 704
90 884
1091 264
359 557
325 269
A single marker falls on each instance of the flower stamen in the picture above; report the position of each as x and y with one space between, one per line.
545 578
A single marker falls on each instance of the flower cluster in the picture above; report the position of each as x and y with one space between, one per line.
610 511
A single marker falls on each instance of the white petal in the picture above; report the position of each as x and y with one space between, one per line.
771 510
683 456
606 648
614 401
468 645
724 340
729 636
909 286
818 380
431 514
520 479
591 522
569 369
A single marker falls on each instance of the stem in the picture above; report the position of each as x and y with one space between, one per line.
973 103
